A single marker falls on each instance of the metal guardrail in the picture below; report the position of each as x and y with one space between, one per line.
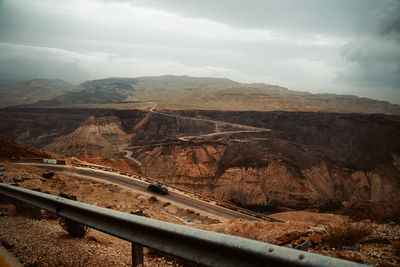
199 246
253 213
44 160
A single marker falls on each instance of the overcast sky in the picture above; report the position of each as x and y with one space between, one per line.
334 46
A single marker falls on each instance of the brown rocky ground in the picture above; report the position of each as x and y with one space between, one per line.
9 147
44 243
306 160
49 244
378 244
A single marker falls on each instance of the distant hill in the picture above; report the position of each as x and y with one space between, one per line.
263 97
96 92
14 92
118 90
184 92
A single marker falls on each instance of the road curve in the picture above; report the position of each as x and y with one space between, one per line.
137 185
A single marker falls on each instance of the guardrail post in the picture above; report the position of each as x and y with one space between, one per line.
137 250
1 173
37 213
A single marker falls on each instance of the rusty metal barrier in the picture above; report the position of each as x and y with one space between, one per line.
195 245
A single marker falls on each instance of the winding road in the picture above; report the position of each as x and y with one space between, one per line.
218 124
223 123
246 128
140 186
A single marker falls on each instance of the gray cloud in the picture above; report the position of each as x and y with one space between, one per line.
339 16
375 59
24 62
377 62
319 46
23 68
389 19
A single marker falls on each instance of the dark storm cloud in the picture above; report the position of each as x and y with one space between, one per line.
336 46
21 62
376 58
389 20
23 68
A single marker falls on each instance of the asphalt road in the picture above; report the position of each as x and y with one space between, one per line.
137 185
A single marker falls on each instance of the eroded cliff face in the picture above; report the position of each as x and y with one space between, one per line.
70 131
305 179
268 159
102 136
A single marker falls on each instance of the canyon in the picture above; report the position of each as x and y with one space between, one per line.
293 155
259 146
265 160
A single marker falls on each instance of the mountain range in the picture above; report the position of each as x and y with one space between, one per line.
182 92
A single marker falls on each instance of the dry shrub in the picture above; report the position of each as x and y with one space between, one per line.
346 233
190 210
153 199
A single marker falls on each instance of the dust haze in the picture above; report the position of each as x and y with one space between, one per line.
342 47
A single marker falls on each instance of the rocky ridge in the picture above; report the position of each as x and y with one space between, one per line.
184 92
263 160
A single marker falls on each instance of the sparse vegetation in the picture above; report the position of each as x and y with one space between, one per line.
346 233
153 199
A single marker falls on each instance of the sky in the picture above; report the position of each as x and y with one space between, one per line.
331 46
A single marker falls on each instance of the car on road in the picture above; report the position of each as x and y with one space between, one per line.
157 188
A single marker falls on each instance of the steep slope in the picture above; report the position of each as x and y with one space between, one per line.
157 128
353 139
39 127
101 136
267 159
36 127
307 160
269 174
11 150
27 92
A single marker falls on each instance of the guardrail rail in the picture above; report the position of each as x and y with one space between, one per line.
195 245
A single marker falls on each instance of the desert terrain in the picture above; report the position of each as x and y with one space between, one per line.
323 163
365 241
